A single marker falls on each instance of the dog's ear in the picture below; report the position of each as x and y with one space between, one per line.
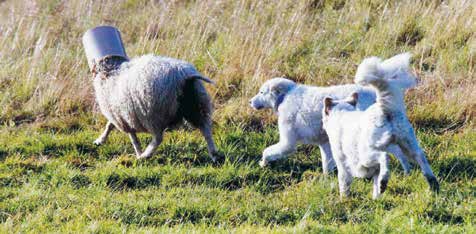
353 99
328 103
279 88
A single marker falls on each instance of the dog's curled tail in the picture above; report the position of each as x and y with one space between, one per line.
390 78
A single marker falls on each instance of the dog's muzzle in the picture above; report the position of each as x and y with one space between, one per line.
254 105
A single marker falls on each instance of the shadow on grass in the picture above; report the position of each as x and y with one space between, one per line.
455 168
439 125
120 182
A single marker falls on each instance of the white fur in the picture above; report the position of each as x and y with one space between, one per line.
143 96
360 140
299 115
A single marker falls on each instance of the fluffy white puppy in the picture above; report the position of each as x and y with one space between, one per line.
299 110
150 94
360 140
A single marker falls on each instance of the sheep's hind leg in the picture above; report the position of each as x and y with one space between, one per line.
197 110
149 151
206 131
101 139
136 144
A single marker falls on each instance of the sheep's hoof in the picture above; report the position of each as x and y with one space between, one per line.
263 163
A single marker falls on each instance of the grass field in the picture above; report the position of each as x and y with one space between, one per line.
57 180
53 179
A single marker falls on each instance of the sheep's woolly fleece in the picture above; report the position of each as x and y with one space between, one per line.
144 96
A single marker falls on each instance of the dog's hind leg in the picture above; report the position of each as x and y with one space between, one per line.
397 152
345 179
328 163
381 179
101 139
154 143
410 147
135 144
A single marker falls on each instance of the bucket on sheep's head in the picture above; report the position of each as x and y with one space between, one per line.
102 41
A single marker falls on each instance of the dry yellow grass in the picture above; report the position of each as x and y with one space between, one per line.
53 179
43 70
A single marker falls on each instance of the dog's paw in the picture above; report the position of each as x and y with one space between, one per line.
217 157
433 182
263 163
143 156
98 142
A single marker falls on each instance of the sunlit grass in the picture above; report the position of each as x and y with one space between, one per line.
59 181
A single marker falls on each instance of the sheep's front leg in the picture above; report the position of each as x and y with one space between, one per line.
328 163
149 151
135 143
101 139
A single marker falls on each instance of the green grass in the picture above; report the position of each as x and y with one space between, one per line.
57 180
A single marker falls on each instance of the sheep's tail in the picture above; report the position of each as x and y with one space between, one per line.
390 78
200 77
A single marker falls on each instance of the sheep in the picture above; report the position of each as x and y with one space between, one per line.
151 94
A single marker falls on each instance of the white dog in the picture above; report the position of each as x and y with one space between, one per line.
299 110
360 140
150 94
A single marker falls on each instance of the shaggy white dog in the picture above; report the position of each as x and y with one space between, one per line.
299 110
360 140
150 94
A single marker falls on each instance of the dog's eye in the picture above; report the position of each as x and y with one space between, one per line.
261 92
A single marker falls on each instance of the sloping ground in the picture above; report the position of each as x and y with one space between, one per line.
57 180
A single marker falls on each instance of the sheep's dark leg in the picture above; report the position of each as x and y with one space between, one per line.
149 151
136 144
206 131
101 139
197 109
